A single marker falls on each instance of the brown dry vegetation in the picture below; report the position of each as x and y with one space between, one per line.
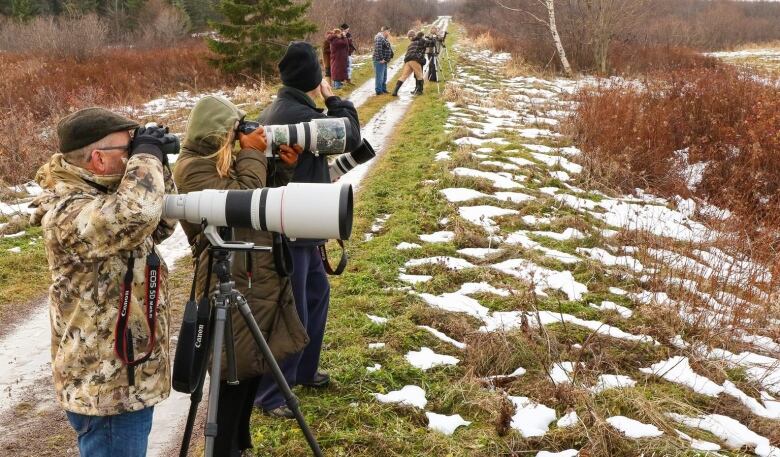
36 90
723 118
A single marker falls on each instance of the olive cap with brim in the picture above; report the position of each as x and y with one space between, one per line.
88 126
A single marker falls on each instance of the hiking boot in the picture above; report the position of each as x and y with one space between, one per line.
282 412
398 85
419 88
319 381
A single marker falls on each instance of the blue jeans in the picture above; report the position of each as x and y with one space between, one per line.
380 80
122 435
312 297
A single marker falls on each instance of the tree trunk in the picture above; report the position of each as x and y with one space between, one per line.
557 38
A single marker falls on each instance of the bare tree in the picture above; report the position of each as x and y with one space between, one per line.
550 24
602 21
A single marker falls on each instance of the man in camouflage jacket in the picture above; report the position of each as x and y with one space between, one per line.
102 207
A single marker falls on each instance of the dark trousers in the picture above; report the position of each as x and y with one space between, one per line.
312 296
235 410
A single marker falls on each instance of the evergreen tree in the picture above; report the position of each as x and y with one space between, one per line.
256 33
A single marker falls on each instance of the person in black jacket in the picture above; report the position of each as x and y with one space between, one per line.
414 60
295 102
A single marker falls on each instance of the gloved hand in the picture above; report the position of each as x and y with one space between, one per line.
255 140
150 140
289 155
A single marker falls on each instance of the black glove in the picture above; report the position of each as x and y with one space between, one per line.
150 140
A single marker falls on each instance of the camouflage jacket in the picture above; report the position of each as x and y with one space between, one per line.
92 225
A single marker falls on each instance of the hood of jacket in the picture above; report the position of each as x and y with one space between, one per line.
208 124
59 179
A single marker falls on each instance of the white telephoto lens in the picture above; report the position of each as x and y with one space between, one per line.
306 210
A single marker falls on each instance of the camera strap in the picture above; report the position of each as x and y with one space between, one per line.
123 342
282 257
342 262
194 336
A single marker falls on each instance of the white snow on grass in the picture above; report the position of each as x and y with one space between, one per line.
610 260
15 235
569 419
483 215
633 428
404 246
612 381
768 408
478 253
521 161
442 336
377 319
514 197
531 419
376 345
699 445
543 278
612 306
15 250
376 367
414 279
462 194
733 433
456 303
442 155
520 371
500 180
481 288
445 424
567 234
678 370
502 165
408 396
553 161
561 372
425 359
438 237
566 453
451 263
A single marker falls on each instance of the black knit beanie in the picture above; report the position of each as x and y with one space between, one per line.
300 68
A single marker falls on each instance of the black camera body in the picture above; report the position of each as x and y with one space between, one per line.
247 127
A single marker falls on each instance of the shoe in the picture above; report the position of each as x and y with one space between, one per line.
319 381
418 88
282 412
398 85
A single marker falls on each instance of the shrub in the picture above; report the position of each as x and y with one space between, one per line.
77 38
707 132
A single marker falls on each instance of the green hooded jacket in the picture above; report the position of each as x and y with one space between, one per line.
270 296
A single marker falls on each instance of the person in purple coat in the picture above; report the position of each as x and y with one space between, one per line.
339 56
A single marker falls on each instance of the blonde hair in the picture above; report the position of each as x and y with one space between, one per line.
224 155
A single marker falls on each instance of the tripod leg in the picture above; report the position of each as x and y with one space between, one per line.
292 400
195 398
216 362
230 351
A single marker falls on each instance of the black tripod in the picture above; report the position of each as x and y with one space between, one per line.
225 298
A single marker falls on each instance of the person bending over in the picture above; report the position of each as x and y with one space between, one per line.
413 63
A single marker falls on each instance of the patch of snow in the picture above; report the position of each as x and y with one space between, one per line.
483 215
569 419
633 428
678 370
408 396
561 372
543 278
414 279
462 194
610 260
376 367
451 263
520 371
377 319
438 237
612 306
445 424
481 287
15 250
404 246
15 235
566 453
478 253
442 155
734 434
442 336
376 345
425 359
699 445
500 181
531 419
612 381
